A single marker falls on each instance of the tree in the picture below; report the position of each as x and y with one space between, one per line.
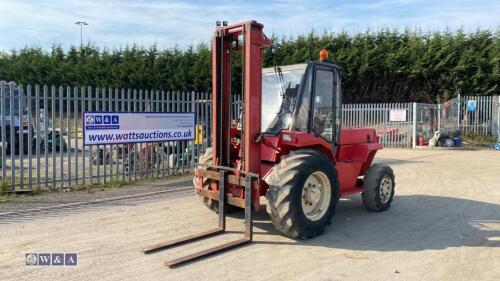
382 66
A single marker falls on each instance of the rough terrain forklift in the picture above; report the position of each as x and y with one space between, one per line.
286 145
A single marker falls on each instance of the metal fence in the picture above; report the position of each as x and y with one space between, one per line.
477 119
449 121
496 117
41 132
471 114
393 132
426 122
41 136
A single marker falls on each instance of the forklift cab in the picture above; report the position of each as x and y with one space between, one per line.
304 98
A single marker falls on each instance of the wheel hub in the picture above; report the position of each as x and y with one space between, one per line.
385 189
312 194
316 196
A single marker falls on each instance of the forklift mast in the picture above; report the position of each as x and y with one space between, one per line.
249 38
229 170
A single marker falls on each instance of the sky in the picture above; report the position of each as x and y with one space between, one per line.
169 23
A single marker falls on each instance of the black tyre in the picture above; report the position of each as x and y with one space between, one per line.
303 193
206 159
379 187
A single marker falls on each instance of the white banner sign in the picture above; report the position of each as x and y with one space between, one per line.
397 115
136 127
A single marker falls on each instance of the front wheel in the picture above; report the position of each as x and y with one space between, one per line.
303 193
379 188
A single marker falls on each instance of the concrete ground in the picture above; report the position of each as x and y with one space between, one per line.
444 224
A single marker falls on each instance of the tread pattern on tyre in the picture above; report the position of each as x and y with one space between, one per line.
370 195
286 176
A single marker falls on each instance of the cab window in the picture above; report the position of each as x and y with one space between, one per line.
302 121
323 115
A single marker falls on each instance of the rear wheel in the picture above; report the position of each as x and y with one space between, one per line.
206 159
379 188
303 193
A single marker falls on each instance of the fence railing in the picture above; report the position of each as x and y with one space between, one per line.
41 132
476 114
393 132
41 136
471 114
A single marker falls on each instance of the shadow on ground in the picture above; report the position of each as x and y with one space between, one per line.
394 162
414 223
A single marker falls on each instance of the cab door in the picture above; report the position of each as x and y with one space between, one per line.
326 103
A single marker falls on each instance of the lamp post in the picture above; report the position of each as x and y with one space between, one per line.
81 24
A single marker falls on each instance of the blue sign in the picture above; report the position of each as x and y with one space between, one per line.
472 106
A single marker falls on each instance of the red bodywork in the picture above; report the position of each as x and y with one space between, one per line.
352 156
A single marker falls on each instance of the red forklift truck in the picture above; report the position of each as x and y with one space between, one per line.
287 145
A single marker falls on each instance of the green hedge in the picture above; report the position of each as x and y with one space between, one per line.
383 66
